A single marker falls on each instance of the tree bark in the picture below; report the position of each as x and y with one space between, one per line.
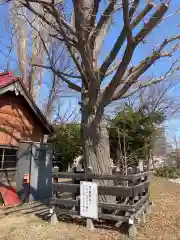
95 139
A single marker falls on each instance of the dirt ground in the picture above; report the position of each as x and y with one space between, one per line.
164 223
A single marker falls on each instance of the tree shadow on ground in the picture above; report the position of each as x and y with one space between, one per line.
41 209
36 208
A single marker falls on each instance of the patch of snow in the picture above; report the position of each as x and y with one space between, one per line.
177 180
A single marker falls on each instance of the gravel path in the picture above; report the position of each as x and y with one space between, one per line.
165 218
164 223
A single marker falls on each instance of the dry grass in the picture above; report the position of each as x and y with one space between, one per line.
164 223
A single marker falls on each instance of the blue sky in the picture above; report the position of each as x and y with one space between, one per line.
167 28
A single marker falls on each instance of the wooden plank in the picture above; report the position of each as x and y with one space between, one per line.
141 209
74 213
140 175
62 211
113 217
115 191
65 202
141 201
7 169
83 176
140 188
120 207
102 190
71 202
64 187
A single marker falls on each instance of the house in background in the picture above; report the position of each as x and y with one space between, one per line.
20 119
162 149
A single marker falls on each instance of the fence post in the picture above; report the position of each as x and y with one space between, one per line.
138 170
114 169
74 170
143 217
55 179
89 222
55 170
148 209
117 171
132 230
54 219
118 198
132 227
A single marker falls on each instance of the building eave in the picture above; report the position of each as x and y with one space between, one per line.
18 87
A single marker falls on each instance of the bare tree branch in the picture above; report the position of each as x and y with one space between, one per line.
127 26
153 81
69 75
51 98
122 37
112 68
7 49
144 65
103 21
62 76
94 12
152 23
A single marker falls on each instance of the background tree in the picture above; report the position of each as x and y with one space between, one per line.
67 144
131 134
28 46
160 99
57 56
84 33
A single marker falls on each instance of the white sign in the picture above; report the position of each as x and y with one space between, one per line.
89 200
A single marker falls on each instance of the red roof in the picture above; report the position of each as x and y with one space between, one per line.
7 78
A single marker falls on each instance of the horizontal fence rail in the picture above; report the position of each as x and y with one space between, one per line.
8 169
122 207
104 190
131 177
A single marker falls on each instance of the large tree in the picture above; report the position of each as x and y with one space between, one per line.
84 31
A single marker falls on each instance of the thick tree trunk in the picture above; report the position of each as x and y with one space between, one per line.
96 148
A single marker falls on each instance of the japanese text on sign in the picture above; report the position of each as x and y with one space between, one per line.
88 200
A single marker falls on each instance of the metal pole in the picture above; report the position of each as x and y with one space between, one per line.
2 161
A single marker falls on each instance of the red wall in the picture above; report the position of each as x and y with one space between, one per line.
17 121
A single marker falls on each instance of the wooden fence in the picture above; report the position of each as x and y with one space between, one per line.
131 192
